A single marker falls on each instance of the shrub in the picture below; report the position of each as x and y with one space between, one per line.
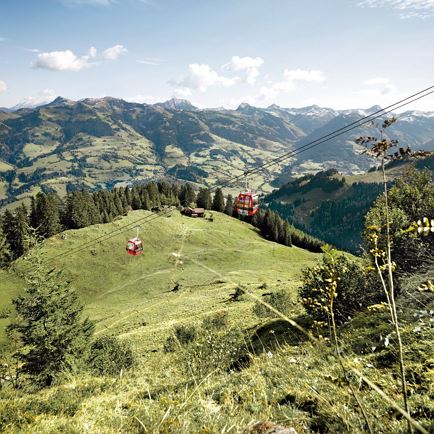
356 288
109 356
280 300
410 200
216 321
237 294
182 335
185 334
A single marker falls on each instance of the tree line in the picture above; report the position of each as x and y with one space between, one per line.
48 214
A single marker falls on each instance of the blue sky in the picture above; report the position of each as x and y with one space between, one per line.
336 53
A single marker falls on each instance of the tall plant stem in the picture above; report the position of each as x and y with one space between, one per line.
341 363
392 297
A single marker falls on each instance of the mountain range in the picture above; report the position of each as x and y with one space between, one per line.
91 143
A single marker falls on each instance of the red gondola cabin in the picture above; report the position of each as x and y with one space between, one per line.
135 246
247 203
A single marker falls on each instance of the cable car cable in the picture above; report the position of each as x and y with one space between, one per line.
310 145
343 130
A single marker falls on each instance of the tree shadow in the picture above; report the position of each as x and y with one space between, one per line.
271 336
277 333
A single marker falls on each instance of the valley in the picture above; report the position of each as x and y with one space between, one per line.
97 143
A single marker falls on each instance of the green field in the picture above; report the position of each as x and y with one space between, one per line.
285 379
207 258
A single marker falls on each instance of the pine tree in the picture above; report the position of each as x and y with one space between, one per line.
146 202
218 203
229 207
154 194
275 227
287 240
33 213
187 195
16 230
81 210
118 204
203 198
164 188
5 250
128 196
46 217
123 198
234 208
136 202
49 323
105 218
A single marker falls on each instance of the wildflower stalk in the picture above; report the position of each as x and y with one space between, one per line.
332 295
391 298
379 148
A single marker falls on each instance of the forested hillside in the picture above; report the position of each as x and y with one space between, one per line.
49 214
331 206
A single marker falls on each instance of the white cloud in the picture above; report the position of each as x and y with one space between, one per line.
406 8
3 86
201 77
61 61
248 64
42 97
182 92
92 52
114 52
289 82
69 61
151 61
378 86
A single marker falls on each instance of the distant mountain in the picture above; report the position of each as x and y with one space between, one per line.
414 129
103 142
28 104
66 144
307 119
176 104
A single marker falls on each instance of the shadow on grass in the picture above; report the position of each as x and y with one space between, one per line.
271 336
277 333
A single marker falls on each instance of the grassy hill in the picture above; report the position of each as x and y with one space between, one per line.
207 258
281 378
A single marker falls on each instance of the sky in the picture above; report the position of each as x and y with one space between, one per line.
335 53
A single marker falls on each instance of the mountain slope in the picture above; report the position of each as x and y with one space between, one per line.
281 378
101 142
104 142
308 119
413 128
332 206
121 291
